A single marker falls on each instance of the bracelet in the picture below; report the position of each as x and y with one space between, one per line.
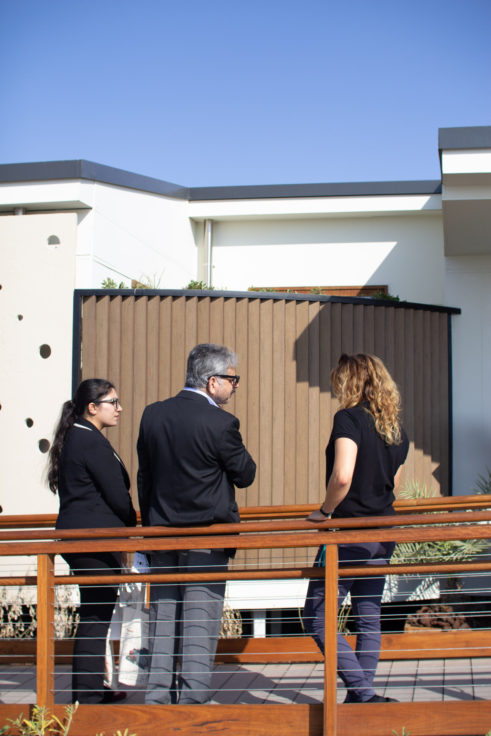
328 516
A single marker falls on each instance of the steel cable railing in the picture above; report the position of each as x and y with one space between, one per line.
254 535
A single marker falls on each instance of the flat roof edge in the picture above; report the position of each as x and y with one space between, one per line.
341 189
90 171
452 139
82 169
265 295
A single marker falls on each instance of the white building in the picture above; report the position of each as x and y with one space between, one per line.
72 224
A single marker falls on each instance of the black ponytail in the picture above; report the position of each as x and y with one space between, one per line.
89 391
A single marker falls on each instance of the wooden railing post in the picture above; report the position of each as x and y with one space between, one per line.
45 646
331 646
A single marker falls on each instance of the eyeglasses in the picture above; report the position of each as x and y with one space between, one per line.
233 379
114 402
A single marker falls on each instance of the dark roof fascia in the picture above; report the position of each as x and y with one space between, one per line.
454 139
81 169
264 295
342 189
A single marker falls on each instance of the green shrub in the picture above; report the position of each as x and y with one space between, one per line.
483 485
110 283
41 723
199 286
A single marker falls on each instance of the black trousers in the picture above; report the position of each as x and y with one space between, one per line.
96 607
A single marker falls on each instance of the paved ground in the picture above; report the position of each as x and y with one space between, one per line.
420 681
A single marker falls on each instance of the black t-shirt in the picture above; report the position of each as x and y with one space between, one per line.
372 488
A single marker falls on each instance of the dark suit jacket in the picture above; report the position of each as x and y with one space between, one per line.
190 456
93 483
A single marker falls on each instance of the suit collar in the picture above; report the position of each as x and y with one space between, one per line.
188 389
191 395
84 424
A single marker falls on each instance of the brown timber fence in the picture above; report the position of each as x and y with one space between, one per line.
287 345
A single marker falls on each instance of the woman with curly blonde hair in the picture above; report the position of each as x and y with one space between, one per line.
364 379
364 459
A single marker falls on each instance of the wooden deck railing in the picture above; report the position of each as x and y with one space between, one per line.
449 718
298 511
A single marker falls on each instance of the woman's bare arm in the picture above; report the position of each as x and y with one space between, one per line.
345 452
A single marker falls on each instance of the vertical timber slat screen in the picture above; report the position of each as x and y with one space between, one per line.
287 348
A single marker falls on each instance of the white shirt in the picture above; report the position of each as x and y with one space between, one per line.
203 393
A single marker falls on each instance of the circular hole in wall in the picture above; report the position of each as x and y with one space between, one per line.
20 317
29 422
43 445
45 351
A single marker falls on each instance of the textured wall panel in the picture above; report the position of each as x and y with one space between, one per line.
286 350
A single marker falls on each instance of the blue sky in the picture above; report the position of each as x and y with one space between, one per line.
256 92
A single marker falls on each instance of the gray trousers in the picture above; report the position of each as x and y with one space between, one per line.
184 625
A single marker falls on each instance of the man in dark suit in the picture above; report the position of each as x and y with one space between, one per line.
191 456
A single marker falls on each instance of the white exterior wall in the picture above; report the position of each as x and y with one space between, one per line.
37 282
128 235
405 252
461 161
112 231
122 233
468 285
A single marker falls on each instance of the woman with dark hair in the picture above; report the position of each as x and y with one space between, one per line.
364 459
93 487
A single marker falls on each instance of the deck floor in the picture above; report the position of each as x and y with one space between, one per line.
411 680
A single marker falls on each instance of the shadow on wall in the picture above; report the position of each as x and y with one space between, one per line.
413 343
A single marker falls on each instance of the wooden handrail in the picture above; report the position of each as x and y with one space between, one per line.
401 505
296 511
245 527
253 535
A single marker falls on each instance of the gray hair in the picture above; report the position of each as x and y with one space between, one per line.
207 360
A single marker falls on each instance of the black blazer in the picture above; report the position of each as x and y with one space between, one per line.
190 456
93 483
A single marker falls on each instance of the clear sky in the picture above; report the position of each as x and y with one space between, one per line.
211 92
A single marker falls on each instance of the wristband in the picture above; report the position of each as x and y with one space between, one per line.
328 516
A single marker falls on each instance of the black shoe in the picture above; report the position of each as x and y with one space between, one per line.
381 699
351 698
113 696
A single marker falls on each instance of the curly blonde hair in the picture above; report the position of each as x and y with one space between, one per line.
363 378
